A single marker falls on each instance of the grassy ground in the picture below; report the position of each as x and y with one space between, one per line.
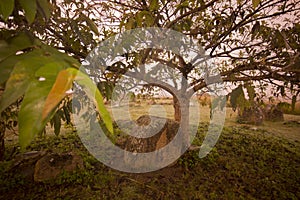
248 162
290 131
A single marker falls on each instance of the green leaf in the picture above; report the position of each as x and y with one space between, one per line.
15 44
30 118
94 94
145 16
59 56
44 8
33 65
130 24
50 68
91 24
30 8
236 97
154 5
30 115
6 68
19 79
5 50
6 8
251 92
8 50
108 91
149 19
34 102
8 57
255 3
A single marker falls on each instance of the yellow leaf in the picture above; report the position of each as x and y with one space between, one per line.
62 84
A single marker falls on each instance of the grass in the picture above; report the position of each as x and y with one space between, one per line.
248 162
166 110
245 164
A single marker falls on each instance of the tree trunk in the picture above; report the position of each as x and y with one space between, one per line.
181 115
177 112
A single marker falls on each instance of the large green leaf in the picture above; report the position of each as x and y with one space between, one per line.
21 76
29 7
6 8
30 115
93 93
30 118
22 72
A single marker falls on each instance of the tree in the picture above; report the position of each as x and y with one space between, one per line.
33 69
252 41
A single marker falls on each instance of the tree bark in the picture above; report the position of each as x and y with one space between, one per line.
181 115
177 112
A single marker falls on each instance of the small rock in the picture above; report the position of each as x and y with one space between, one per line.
24 163
50 166
273 113
252 115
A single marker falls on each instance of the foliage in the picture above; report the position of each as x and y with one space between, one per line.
37 72
255 40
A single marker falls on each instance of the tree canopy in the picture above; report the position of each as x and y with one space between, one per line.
250 40
253 40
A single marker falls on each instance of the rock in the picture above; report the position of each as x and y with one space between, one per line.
273 113
252 115
167 130
160 138
24 163
51 165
